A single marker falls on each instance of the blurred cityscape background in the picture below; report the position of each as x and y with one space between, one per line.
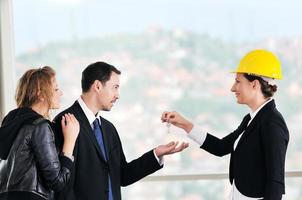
174 55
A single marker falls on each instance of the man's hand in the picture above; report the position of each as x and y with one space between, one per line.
170 148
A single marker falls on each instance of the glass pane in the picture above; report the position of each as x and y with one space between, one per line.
174 55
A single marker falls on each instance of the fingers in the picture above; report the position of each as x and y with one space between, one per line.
170 144
164 116
68 119
63 121
170 147
181 147
73 119
168 116
174 148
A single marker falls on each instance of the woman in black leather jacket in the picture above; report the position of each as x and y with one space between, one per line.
30 168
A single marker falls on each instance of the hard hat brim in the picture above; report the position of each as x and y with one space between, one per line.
243 72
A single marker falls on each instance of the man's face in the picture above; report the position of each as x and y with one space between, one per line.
109 92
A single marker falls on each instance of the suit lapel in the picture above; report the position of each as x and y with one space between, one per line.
249 129
246 133
86 129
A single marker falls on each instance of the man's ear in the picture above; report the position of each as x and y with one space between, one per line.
97 85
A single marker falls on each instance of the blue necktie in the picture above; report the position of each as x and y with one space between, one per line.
99 137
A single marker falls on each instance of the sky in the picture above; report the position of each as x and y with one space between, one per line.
38 22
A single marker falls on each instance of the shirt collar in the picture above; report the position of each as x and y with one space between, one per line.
88 113
253 114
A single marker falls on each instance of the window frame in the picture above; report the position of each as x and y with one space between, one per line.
7 88
7 58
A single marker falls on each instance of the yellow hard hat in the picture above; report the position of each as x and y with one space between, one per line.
260 63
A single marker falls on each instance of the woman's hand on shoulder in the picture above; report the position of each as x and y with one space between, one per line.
70 127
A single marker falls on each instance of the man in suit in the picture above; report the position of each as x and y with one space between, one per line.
100 164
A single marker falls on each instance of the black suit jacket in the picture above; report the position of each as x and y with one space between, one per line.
90 180
257 164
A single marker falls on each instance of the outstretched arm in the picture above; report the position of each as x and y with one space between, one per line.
208 142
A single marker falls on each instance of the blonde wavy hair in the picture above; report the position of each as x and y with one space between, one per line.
33 84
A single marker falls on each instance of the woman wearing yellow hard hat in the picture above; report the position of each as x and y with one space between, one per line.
258 146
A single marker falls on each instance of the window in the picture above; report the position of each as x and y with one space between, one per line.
174 55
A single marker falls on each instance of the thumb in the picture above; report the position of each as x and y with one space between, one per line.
63 124
170 144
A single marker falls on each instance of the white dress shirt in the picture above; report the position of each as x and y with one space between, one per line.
199 138
91 117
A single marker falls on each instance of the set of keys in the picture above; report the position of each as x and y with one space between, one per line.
168 127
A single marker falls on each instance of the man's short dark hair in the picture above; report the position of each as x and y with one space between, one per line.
97 71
